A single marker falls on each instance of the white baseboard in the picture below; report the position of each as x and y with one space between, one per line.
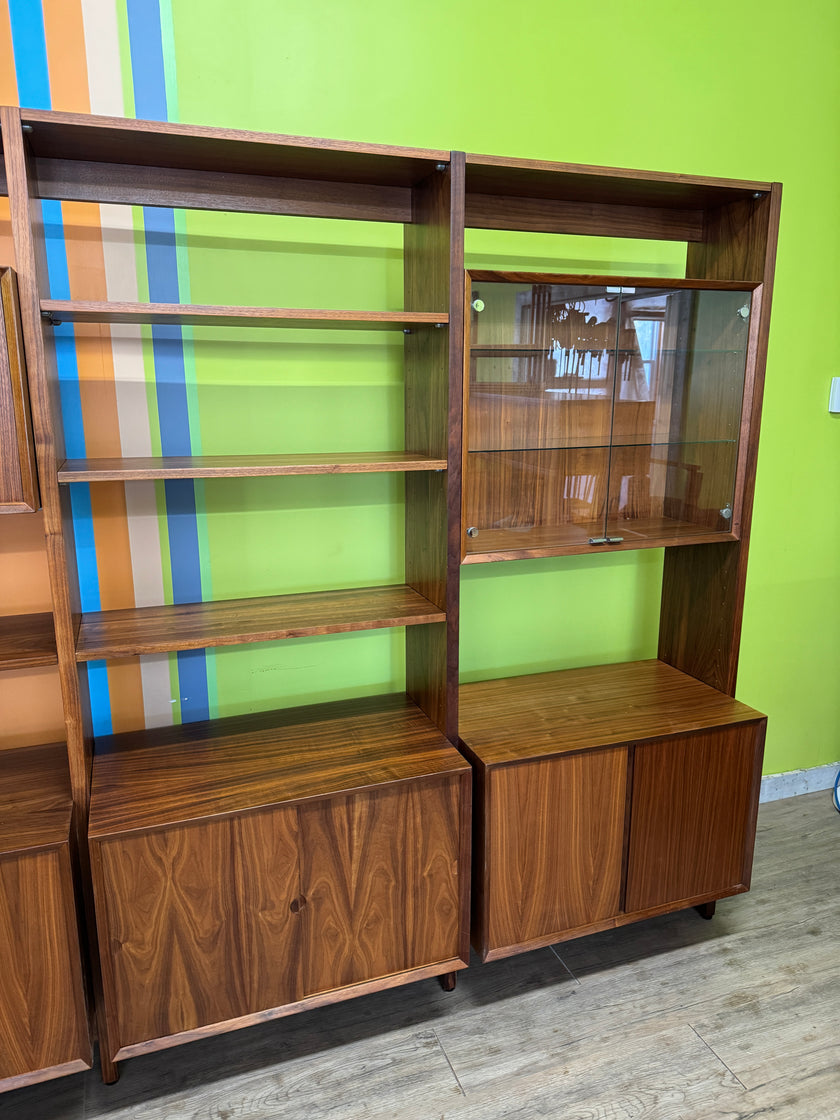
794 782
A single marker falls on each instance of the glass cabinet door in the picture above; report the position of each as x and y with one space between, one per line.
680 364
599 414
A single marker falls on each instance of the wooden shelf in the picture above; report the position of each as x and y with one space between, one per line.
244 466
573 540
161 777
27 641
195 315
544 714
140 630
35 801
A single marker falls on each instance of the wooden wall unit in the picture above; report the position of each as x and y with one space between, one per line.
245 868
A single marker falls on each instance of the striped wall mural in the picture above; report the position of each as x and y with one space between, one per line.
114 57
162 390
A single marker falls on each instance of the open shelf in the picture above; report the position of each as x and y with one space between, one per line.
27 641
243 466
160 777
218 315
543 714
140 630
35 801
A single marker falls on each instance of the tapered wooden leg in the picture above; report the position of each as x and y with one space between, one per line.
447 981
706 909
109 1070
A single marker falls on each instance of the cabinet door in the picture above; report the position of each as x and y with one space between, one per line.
554 845
197 923
43 1022
694 806
18 475
380 874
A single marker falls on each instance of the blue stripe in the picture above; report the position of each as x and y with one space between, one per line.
148 73
100 698
146 46
30 47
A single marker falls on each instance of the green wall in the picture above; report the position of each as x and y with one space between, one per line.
742 91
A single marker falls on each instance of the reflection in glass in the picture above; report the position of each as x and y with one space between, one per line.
601 411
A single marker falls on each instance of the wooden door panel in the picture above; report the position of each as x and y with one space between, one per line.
381 880
172 930
268 887
555 832
43 1023
693 817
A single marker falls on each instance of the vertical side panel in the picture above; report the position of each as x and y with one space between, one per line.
18 472
703 587
433 255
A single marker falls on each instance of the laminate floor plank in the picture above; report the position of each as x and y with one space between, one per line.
671 1019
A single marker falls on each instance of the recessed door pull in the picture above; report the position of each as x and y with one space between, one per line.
606 540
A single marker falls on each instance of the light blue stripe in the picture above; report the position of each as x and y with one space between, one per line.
149 78
30 49
100 699
147 67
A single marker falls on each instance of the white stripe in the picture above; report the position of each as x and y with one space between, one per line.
102 48
157 692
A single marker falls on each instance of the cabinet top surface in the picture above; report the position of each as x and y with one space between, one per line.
35 802
149 779
534 716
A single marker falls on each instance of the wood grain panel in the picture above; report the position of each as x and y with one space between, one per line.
545 714
27 640
126 184
381 877
184 314
101 139
139 630
18 470
43 1021
695 801
35 802
269 899
739 241
243 466
544 215
556 831
169 928
612 186
148 779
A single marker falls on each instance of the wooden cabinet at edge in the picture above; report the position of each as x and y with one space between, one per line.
625 791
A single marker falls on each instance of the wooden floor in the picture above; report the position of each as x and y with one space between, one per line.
672 1019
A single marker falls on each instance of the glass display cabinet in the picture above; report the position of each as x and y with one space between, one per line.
602 413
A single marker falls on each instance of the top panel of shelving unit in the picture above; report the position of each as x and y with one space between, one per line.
497 175
97 139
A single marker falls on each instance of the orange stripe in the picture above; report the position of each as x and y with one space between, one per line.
8 96
66 58
8 78
125 686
